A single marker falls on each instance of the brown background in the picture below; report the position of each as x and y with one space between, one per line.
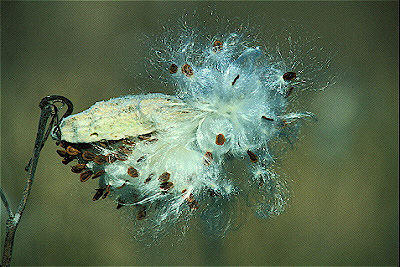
344 169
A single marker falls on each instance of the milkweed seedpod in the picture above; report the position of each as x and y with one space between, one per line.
161 155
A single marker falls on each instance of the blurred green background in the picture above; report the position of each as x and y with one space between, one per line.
344 169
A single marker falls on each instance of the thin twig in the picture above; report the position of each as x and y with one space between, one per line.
5 202
48 110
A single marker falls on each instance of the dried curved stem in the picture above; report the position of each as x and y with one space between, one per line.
48 110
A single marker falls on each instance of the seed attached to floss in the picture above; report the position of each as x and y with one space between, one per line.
173 69
78 168
187 70
88 156
164 177
72 151
166 185
98 194
62 153
289 76
98 174
100 159
67 160
267 119
107 191
148 179
128 142
85 175
208 158
133 172
141 213
234 80
220 139
253 157
289 92
217 46
193 205
123 185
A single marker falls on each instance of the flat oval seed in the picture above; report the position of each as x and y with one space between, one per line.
72 151
220 139
164 177
98 194
173 69
253 157
62 153
289 76
78 168
98 174
88 156
133 172
85 175
187 70
100 159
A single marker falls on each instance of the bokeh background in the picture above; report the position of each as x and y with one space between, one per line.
344 168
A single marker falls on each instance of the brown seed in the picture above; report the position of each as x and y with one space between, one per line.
208 157
187 70
260 181
111 158
141 158
145 136
98 194
123 185
141 214
94 134
128 142
164 177
268 119
173 69
253 157
166 185
125 150
193 205
234 80
289 76
220 139
67 160
133 172
78 168
72 151
121 156
62 153
190 198
100 159
98 174
217 46
88 156
85 175
289 91
148 179
107 191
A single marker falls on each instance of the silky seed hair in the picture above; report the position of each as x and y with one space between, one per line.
163 157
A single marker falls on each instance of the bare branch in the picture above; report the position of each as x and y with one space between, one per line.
5 202
49 110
